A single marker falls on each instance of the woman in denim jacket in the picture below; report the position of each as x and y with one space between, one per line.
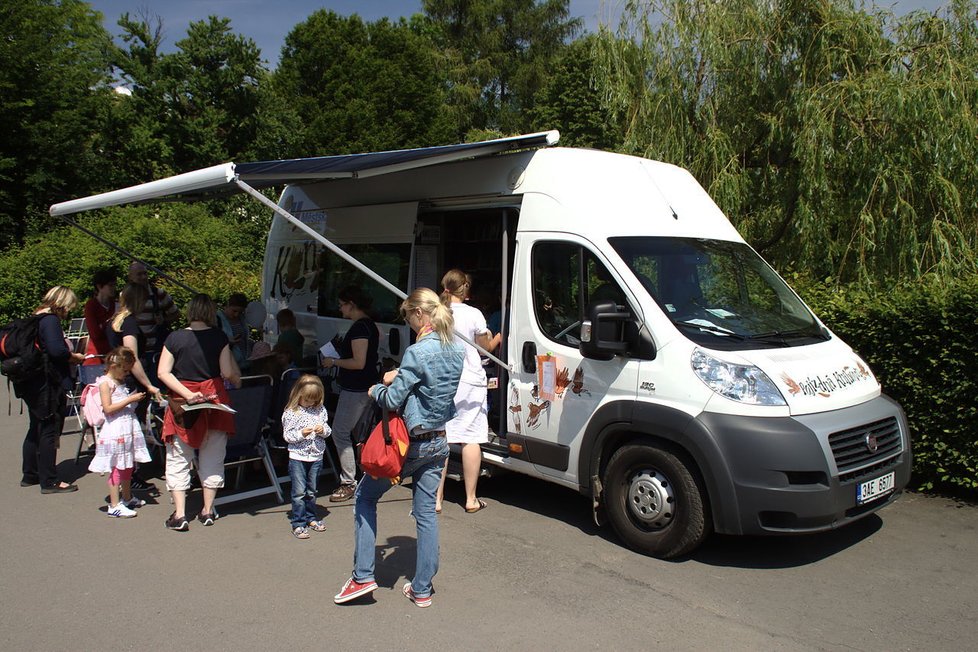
425 386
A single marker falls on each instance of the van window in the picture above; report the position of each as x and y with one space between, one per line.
720 294
566 278
391 261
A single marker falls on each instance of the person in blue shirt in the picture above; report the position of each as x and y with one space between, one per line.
424 389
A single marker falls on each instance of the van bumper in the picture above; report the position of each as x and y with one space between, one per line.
801 474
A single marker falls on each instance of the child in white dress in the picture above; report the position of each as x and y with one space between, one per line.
120 442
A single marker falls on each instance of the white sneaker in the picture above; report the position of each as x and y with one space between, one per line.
134 502
121 511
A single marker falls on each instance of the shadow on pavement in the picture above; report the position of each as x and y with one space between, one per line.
567 506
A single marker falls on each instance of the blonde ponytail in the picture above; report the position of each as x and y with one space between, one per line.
442 321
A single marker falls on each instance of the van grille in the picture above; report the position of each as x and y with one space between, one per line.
852 455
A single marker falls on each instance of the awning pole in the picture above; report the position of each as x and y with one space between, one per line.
318 237
127 254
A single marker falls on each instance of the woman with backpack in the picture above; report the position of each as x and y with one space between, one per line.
46 394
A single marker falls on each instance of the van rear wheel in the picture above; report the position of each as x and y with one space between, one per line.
654 502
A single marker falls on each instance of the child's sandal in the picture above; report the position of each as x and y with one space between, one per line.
317 526
300 533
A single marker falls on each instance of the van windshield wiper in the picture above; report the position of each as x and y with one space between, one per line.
787 335
709 328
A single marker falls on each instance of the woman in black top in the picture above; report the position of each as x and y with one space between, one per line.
124 330
358 372
194 364
46 395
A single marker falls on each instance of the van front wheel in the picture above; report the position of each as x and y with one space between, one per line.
654 502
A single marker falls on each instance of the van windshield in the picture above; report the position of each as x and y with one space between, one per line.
719 294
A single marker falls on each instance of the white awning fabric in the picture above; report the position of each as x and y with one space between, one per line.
219 179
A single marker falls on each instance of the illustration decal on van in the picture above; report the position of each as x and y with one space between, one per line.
296 270
563 380
536 409
515 408
825 385
578 387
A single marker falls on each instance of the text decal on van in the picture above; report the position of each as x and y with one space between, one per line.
825 384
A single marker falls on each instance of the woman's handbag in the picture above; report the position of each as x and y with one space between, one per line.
383 454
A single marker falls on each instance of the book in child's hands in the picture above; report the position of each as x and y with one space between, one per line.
189 407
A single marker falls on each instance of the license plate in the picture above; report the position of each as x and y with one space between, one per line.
875 488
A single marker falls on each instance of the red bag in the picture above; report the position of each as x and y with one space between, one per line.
383 454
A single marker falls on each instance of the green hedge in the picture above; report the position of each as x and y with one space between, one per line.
921 341
214 254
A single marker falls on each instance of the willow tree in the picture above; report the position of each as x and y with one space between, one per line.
841 141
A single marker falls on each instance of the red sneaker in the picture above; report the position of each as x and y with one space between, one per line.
409 594
353 590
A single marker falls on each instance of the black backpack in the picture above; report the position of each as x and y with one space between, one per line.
21 356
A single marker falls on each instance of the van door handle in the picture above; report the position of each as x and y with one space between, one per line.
529 357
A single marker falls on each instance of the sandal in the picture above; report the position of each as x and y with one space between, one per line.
473 510
300 533
317 526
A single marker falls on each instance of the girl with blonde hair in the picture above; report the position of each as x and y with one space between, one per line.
424 388
120 443
305 429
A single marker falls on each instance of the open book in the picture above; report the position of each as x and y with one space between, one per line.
190 407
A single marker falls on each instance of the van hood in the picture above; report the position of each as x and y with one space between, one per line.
817 377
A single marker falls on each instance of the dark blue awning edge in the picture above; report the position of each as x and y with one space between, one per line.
219 179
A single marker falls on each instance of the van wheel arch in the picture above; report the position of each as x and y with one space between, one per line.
653 495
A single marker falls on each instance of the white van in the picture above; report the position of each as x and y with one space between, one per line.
655 362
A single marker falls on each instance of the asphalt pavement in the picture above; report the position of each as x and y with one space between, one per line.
531 572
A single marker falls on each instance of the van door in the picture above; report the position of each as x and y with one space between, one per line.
557 276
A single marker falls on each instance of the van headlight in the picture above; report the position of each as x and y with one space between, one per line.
744 383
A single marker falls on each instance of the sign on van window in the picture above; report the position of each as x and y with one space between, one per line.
314 219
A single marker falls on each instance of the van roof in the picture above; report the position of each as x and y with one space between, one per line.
220 179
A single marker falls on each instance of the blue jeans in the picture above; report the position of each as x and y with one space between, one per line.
304 476
424 462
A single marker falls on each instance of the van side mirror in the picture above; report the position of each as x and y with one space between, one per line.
603 332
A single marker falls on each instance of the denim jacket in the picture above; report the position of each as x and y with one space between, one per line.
426 383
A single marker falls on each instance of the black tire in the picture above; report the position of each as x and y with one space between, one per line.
654 502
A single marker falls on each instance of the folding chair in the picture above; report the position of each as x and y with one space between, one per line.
252 402
77 339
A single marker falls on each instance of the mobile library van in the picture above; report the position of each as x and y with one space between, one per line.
651 360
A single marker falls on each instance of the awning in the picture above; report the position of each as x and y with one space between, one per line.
220 179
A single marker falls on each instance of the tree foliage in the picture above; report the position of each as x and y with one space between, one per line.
184 240
359 87
53 91
568 101
840 141
206 103
498 54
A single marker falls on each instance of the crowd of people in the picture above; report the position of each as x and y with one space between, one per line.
439 388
